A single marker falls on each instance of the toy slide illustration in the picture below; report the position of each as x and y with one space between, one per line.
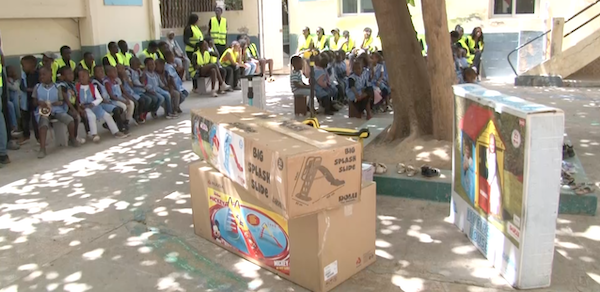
229 153
309 173
235 210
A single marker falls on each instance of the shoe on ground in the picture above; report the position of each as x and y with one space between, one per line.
154 115
169 116
96 138
73 143
121 135
41 154
24 141
237 88
81 141
179 111
214 93
4 159
13 145
16 133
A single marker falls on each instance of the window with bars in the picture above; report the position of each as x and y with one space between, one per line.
514 7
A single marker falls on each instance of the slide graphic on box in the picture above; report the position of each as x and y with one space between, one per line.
250 230
230 154
309 170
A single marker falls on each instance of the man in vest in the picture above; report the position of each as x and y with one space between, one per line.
367 44
150 52
113 58
49 63
462 40
348 42
306 42
321 41
217 26
87 64
335 41
261 61
65 54
125 53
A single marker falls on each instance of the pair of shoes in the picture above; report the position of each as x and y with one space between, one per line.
72 142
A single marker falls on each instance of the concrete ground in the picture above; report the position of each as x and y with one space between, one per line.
116 216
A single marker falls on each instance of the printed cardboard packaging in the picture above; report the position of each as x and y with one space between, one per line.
317 251
294 169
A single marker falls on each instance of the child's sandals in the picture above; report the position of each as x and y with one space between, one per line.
427 171
402 168
380 168
582 189
411 171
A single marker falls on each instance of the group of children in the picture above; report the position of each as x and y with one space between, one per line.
59 91
361 81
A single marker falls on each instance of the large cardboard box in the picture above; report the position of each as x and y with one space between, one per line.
294 169
318 251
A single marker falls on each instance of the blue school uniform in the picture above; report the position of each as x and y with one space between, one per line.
360 83
49 93
321 92
116 90
379 71
129 90
108 107
86 96
23 98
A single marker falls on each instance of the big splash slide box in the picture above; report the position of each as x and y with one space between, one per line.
505 192
292 168
317 251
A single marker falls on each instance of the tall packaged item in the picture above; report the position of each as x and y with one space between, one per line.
317 251
505 192
292 168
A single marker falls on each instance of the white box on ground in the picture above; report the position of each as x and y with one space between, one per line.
258 89
506 182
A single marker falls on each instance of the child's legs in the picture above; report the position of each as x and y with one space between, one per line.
12 115
130 109
117 115
175 97
182 96
86 123
14 99
91 122
43 126
144 103
158 101
110 122
167 100
25 121
75 119
121 104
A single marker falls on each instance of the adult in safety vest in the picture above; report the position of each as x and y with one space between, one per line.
262 62
367 43
321 41
217 26
475 44
150 52
462 41
192 35
125 53
336 41
65 58
348 45
113 58
305 42
87 64
49 63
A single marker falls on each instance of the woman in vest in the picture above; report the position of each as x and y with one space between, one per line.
367 44
306 42
321 41
217 26
112 58
191 35
232 62
475 44
202 67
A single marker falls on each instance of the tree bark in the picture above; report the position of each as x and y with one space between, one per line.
440 66
407 70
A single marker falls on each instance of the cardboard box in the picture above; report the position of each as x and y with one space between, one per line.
318 251
294 169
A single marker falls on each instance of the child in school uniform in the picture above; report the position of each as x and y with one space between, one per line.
174 79
138 80
380 80
299 88
141 101
153 87
90 101
52 105
14 97
359 90
114 89
29 78
164 84
107 105
324 90
65 84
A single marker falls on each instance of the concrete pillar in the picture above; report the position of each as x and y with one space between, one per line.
154 18
557 35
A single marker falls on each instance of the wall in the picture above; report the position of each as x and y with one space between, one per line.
14 9
31 36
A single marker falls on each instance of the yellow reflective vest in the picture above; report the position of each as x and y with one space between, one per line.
333 45
347 47
463 44
1 84
113 62
201 60
366 45
196 37
126 58
61 63
253 50
322 43
218 30
85 67
471 47
305 44
233 53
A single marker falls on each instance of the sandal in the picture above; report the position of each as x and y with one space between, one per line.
410 171
427 171
583 189
567 179
380 168
401 167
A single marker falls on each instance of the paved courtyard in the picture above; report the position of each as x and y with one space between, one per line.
116 216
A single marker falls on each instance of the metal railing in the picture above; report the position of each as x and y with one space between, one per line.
548 31
175 13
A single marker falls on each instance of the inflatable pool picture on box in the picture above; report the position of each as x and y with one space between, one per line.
250 230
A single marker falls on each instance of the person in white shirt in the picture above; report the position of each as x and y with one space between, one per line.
181 60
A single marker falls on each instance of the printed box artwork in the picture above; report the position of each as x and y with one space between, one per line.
250 230
505 197
295 169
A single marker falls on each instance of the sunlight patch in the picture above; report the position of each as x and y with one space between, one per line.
94 254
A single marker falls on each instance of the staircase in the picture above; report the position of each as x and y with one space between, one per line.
573 58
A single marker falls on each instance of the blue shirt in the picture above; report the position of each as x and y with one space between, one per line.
50 93
152 81
172 72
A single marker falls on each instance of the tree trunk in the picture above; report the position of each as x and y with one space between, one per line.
441 67
407 70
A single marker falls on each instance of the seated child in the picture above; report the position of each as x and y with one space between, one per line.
153 88
379 79
51 105
107 105
14 99
29 79
174 80
299 88
324 90
114 88
470 75
246 57
90 101
138 80
129 93
65 84
358 90
165 86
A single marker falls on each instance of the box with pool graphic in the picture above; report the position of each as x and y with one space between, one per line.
317 251
294 169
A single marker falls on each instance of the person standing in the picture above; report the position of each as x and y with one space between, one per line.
192 35
217 26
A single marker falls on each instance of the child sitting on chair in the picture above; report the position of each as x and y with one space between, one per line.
299 88
379 79
324 90
358 90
